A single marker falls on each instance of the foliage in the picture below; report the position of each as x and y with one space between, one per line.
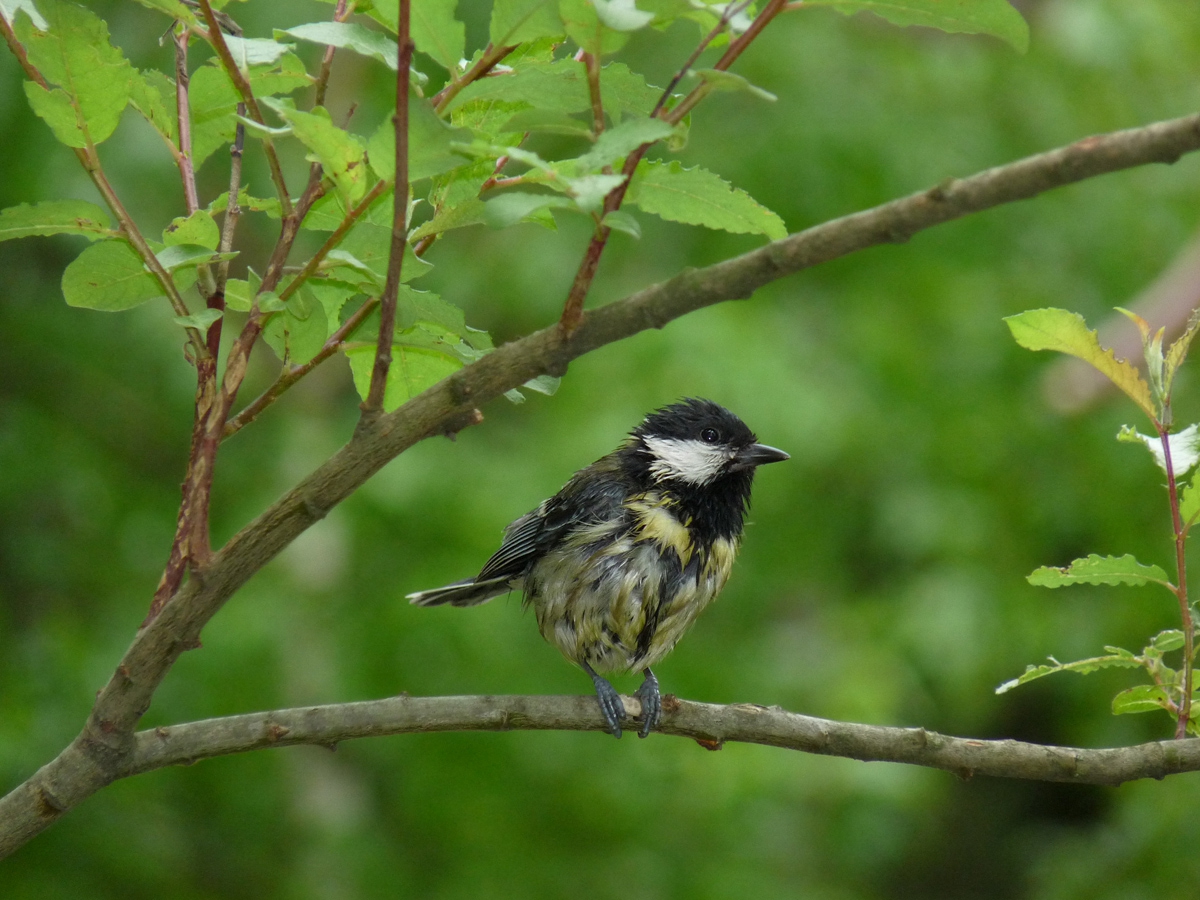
1175 453
856 598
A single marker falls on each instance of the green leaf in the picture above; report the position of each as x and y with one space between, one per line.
328 213
54 217
437 33
93 77
1067 332
1099 570
1166 641
618 220
413 306
109 276
198 228
299 332
239 295
519 21
152 94
413 369
214 100
621 140
340 153
698 197
513 207
1179 348
1140 699
172 8
995 17
469 212
585 27
722 80
366 249
1120 658
201 320
182 256
547 121
1189 502
429 140
348 36
247 52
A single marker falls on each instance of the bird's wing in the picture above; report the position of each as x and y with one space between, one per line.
594 494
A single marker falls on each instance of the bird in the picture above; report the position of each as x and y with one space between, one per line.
619 563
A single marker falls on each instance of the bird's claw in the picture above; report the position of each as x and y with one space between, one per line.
611 705
651 700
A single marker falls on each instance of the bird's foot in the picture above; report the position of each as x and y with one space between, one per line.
611 705
651 699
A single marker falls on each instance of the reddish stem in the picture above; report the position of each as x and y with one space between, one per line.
1181 593
391 288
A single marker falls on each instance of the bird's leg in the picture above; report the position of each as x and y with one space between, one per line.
651 699
610 701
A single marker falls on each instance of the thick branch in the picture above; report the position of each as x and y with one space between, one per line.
98 755
713 724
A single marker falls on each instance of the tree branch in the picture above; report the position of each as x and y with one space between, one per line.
99 754
709 723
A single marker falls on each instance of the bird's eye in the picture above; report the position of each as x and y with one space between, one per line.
709 435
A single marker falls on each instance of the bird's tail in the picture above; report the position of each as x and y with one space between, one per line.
467 592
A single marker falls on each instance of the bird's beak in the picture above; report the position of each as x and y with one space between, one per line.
756 455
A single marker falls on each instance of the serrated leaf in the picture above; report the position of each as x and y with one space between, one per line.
1067 332
198 228
201 320
152 94
413 369
109 276
1122 659
329 213
54 217
1179 347
348 36
1185 447
698 197
621 140
1097 569
1140 699
995 17
520 21
92 76
299 332
340 153
469 212
429 144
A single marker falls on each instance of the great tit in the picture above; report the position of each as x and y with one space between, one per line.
618 564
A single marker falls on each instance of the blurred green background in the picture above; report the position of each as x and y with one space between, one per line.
882 578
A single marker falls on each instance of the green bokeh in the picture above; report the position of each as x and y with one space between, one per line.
882 575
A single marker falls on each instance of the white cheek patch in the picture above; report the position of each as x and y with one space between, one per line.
692 461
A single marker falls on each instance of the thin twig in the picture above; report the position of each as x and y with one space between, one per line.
391 288
1185 610
491 57
291 374
183 116
217 39
731 10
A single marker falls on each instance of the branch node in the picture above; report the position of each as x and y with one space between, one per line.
711 744
276 732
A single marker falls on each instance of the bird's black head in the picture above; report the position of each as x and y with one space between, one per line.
697 444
